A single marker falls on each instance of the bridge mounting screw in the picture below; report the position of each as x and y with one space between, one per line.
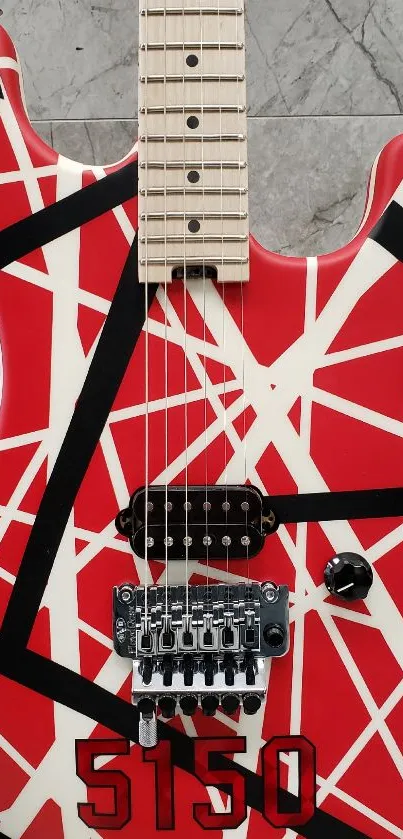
126 595
270 592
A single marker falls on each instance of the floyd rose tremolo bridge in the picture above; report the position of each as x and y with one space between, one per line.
198 646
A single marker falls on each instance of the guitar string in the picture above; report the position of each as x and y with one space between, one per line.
224 336
166 318
185 314
242 295
207 535
146 352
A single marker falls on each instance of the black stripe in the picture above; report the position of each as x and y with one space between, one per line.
388 232
337 506
66 215
115 347
71 689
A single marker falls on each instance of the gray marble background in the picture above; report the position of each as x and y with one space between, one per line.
325 93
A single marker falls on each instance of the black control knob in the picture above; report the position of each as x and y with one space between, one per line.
251 703
349 576
230 703
167 706
146 706
274 635
189 704
210 704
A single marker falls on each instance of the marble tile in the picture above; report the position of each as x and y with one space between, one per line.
97 141
79 58
44 129
307 175
308 178
325 57
303 56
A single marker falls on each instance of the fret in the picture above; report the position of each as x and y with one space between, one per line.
192 138
194 260
207 190
191 10
185 215
193 237
182 77
193 164
193 45
199 109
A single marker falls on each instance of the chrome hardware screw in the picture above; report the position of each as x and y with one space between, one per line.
226 540
270 592
150 506
148 737
245 541
168 506
207 506
187 541
150 542
207 541
245 506
168 541
187 505
126 595
226 506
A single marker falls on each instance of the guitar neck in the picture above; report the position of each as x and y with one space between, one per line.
193 185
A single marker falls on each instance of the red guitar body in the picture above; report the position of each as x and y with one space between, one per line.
303 392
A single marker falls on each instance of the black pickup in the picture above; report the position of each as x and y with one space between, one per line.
195 522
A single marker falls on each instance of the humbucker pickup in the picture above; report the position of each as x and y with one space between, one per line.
195 522
198 646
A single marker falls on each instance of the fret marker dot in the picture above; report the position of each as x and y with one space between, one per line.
192 61
194 225
192 122
193 176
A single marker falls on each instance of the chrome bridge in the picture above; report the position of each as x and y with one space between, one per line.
197 522
198 646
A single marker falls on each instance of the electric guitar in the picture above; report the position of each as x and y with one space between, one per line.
200 479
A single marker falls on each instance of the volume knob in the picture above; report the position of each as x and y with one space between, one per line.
349 576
